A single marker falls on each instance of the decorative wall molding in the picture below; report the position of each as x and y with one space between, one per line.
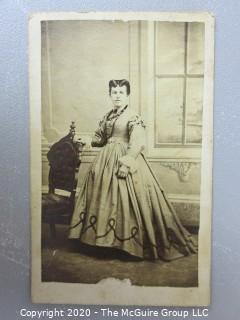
45 148
44 140
182 168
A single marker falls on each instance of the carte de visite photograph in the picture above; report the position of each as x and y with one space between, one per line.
121 157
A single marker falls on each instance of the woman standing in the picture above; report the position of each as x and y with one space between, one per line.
121 204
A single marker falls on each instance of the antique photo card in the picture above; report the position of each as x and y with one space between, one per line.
121 157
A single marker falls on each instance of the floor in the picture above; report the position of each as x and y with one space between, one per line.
69 261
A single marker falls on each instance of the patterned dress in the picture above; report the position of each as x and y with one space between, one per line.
133 213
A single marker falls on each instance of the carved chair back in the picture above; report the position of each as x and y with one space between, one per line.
64 162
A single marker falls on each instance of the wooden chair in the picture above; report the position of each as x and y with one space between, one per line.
64 161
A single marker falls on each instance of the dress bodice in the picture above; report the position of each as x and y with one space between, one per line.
118 125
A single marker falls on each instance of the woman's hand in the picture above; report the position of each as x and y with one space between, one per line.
123 171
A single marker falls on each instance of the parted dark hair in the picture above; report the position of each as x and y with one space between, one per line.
120 83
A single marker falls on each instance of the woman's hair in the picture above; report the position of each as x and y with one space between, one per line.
120 83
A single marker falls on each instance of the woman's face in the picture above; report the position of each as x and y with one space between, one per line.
119 96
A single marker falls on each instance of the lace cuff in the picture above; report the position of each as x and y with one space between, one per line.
129 162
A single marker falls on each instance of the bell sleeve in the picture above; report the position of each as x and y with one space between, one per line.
99 138
137 142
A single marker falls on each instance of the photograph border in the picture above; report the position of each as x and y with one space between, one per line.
127 294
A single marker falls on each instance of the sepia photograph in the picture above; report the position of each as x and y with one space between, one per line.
121 157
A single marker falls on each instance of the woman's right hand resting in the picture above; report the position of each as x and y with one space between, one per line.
122 171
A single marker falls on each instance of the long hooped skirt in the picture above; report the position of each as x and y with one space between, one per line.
132 214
